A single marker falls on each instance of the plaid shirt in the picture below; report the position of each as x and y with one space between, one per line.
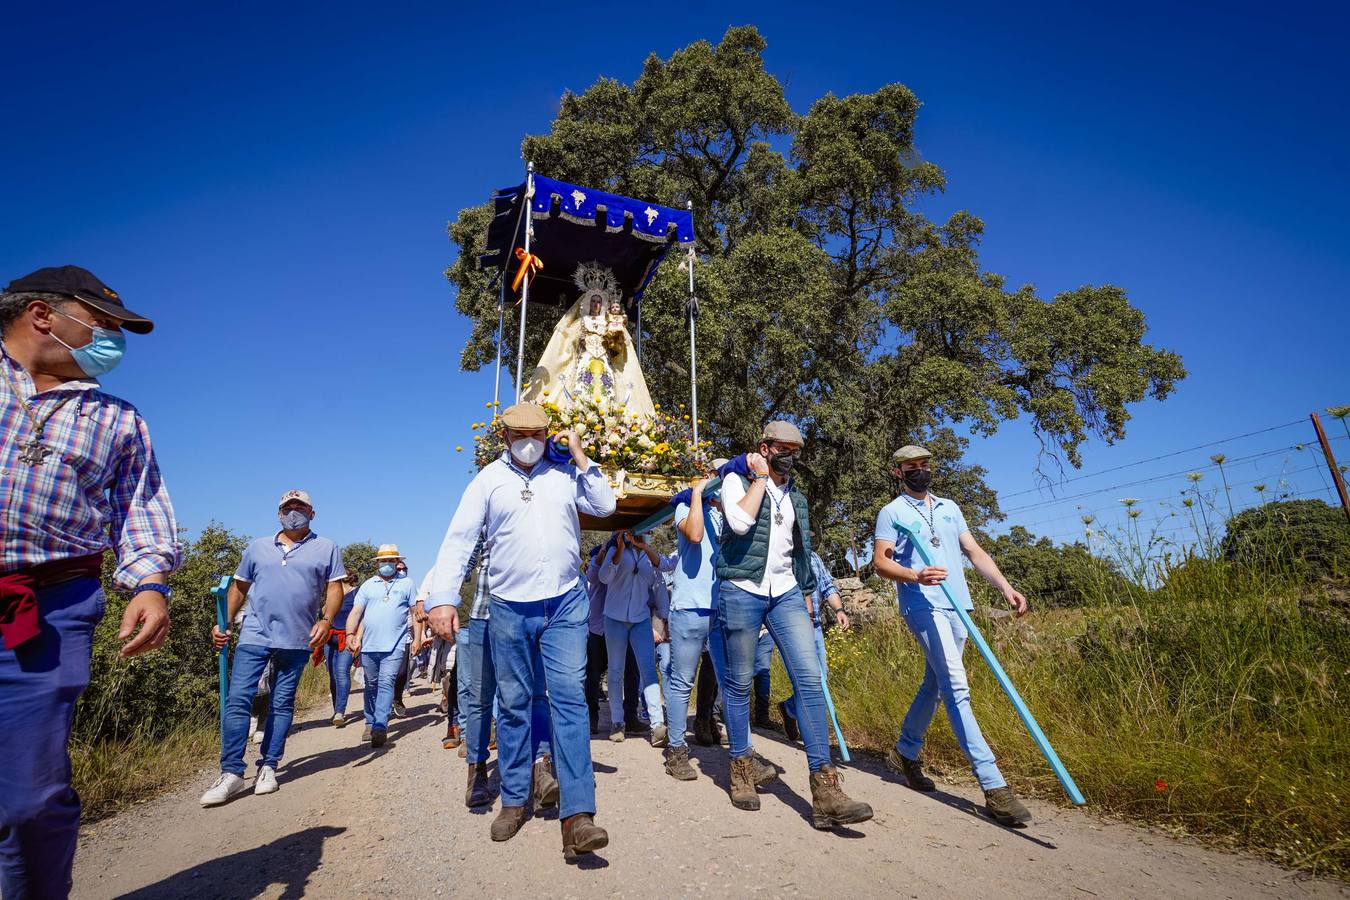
482 597
100 489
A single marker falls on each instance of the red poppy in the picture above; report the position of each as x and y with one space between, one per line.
1160 785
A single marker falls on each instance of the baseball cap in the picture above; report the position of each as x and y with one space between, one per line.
302 496
81 284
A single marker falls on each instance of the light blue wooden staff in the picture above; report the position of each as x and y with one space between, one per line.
664 515
221 592
1004 681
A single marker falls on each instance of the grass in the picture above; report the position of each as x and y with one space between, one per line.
1213 706
112 774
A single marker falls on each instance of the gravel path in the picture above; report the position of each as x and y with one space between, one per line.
352 822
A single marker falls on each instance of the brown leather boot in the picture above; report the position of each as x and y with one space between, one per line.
452 738
545 783
743 795
830 806
479 791
508 822
580 835
765 771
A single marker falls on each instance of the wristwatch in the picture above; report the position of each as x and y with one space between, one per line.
161 589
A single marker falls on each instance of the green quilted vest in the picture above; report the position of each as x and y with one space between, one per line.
747 555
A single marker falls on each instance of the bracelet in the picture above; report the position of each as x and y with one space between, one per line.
162 589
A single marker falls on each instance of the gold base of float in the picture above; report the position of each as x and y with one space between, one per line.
638 495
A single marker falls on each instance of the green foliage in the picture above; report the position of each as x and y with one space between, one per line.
1213 706
1054 575
153 693
359 557
1308 537
826 295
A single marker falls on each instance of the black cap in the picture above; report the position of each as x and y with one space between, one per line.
81 284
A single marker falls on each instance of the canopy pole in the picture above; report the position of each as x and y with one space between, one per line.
639 333
501 323
693 350
525 287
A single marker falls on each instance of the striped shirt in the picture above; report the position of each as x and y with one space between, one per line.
100 489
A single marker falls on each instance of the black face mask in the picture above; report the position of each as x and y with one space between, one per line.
917 480
782 463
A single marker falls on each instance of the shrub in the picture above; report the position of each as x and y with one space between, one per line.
1306 537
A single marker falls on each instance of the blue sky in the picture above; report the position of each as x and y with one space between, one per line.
273 188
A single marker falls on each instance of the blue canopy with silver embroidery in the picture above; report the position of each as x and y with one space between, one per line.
574 225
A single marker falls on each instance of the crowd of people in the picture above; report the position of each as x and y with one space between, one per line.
519 674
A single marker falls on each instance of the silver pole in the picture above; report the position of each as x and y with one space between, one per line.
693 352
501 323
525 288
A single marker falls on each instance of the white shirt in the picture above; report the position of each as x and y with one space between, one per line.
778 576
534 545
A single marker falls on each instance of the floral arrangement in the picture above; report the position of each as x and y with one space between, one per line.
613 437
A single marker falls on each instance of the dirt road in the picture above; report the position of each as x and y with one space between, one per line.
353 822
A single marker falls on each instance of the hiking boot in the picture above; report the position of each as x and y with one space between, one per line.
266 782
452 738
365 734
595 723
227 787
580 835
1004 807
705 733
677 764
765 771
507 823
637 728
463 751
660 736
545 783
339 721
378 736
743 794
761 717
479 791
830 806
789 722
400 710
912 769
616 734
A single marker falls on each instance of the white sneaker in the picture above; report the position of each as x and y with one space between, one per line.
257 737
266 782
227 787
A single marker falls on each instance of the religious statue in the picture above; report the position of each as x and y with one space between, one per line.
591 354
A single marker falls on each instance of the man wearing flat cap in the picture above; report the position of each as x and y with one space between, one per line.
524 506
938 522
764 567
292 581
78 477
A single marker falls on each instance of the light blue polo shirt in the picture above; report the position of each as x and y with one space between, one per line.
286 589
949 524
695 582
387 605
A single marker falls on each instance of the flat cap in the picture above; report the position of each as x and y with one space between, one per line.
908 453
525 417
783 430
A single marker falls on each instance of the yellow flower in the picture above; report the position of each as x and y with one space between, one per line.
488 404
495 403
459 449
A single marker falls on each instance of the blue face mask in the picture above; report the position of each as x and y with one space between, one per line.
402 573
387 570
103 352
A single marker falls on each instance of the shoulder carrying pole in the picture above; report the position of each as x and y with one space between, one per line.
691 307
1004 681
525 287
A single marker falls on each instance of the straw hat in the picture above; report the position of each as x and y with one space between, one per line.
388 551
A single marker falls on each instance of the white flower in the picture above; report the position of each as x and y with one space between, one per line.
581 428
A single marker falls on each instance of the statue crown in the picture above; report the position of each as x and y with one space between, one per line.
593 278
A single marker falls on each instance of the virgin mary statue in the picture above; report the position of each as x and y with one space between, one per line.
590 354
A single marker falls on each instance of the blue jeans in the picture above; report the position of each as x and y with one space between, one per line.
619 636
690 631
478 695
663 662
790 704
943 639
245 669
524 637
381 673
39 684
339 675
464 668
763 663
741 614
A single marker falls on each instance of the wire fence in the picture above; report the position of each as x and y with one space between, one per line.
1183 498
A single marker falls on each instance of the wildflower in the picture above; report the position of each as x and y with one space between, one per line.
1218 459
1194 476
1160 785
1129 501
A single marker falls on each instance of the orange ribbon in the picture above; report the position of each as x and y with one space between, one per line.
528 262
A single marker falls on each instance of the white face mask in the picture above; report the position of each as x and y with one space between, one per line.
528 450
